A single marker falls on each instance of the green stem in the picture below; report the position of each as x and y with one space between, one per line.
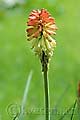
44 61
46 90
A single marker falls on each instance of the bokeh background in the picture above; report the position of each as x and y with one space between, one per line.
17 59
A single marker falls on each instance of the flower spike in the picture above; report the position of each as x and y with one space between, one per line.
40 31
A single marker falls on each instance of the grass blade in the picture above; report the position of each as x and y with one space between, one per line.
24 100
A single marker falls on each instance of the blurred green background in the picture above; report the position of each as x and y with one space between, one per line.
17 59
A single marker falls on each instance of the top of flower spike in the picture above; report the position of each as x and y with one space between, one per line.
41 27
40 16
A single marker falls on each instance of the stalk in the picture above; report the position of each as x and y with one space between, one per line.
46 92
44 62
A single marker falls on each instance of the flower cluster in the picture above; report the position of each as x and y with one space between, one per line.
41 28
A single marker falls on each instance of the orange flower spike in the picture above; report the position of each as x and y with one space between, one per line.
41 27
